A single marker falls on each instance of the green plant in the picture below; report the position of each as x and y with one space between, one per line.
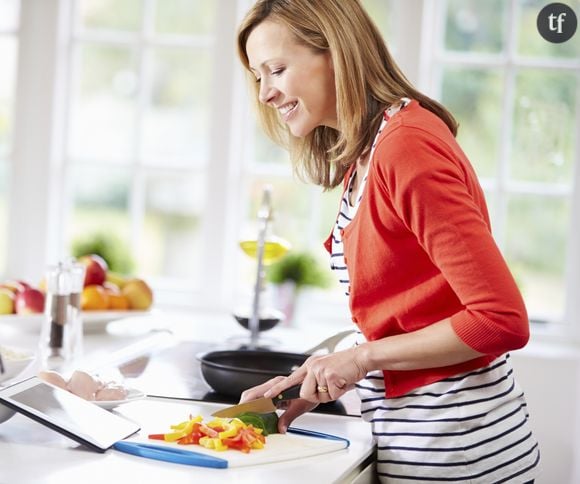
299 267
114 250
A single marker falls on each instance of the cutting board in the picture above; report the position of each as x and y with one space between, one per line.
157 416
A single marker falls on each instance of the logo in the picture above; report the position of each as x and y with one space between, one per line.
557 23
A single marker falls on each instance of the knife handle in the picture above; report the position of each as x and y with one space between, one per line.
289 394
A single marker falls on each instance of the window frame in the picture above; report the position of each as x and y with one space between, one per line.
434 59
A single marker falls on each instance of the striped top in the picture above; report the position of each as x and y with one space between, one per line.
348 211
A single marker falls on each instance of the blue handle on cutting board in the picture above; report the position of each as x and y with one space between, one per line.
171 454
188 457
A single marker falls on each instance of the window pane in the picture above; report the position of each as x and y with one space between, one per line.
537 231
170 242
100 203
184 17
544 126
9 12
103 112
474 96
8 53
111 14
475 26
291 201
268 152
531 43
176 124
381 13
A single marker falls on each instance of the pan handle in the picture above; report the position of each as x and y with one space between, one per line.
331 342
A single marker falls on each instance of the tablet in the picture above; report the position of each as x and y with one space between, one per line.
67 413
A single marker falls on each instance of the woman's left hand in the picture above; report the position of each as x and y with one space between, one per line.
324 378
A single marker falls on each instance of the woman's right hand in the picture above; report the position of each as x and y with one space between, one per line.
292 410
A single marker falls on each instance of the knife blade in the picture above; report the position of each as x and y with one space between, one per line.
261 405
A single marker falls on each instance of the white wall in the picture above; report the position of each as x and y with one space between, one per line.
550 377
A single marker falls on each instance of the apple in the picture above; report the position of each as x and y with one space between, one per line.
29 301
15 286
138 293
6 301
95 269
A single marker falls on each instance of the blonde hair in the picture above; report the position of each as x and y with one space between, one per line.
367 81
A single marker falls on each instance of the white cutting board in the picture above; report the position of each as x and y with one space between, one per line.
156 417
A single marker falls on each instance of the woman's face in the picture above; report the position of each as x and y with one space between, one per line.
294 80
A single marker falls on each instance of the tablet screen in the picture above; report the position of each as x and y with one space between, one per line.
69 414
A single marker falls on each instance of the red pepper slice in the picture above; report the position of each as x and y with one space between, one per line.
156 436
204 429
193 437
237 443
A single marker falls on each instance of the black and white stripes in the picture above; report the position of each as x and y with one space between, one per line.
469 428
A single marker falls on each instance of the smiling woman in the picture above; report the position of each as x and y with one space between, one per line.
436 306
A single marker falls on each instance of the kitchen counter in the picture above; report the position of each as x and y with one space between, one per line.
126 349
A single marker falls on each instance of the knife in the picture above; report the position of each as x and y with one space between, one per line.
261 405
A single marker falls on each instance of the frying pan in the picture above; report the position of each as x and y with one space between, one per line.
232 372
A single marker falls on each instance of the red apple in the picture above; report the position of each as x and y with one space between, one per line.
95 269
29 301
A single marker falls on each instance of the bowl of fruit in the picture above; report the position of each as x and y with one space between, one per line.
105 296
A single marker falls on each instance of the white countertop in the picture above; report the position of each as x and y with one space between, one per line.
30 452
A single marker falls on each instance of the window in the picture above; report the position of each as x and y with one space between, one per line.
9 11
136 122
139 117
516 99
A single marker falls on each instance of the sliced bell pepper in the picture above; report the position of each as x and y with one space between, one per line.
219 434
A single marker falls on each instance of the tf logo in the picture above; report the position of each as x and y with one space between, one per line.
557 23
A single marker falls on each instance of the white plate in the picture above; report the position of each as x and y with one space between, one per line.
93 321
97 320
132 395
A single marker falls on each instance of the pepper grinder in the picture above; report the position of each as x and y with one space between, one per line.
55 335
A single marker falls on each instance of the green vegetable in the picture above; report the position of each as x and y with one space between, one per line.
268 422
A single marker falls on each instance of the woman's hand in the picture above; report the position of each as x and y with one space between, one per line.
324 378
293 408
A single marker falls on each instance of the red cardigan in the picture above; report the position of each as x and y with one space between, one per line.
420 250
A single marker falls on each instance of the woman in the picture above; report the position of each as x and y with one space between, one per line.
412 244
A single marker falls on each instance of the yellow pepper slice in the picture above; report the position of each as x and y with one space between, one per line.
212 443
